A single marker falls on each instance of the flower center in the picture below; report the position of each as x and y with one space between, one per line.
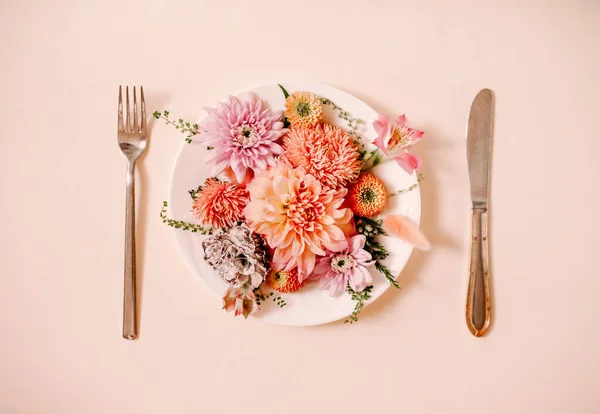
304 213
246 136
397 138
342 263
303 109
368 196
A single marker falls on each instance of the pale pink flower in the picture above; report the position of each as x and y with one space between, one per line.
297 216
240 301
243 135
400 138
348 267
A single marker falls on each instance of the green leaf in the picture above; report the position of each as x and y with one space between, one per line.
285 93
387 273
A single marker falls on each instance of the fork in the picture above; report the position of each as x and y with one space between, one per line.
132 142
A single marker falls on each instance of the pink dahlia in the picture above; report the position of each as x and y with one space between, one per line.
326 151
219 203
401 139
350 266
298 217
243 135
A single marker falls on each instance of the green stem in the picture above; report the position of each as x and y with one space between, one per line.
412 187
360 298
183 225
185 127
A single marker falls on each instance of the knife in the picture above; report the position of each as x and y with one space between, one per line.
479 137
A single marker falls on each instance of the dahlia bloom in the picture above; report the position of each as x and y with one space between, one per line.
350 266
367 196
219 203
243 135
303 109
298 217
400 139
327 152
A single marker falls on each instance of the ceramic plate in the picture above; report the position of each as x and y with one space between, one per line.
309 306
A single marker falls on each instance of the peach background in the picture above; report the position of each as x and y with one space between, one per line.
62 185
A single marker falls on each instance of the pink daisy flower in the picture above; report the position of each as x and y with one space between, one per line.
243 135
400 139
350 266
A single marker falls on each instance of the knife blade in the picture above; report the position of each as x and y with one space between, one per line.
479 137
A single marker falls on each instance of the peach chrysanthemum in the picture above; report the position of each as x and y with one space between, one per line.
303 109
219 203
297 216
284 281
367 196
326 151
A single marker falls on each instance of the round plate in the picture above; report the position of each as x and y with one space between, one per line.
309 306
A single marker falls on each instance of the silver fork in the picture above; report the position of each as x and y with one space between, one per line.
132 142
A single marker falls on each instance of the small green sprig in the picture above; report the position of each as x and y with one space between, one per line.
360 298
371 229
420 178
183 225
352 123
261 298
187 128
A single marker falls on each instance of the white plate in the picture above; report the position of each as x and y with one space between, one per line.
309 306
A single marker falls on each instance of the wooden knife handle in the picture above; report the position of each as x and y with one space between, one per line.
479 305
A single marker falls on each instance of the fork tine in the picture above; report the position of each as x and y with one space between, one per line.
135 111
128 109
120 120
143 125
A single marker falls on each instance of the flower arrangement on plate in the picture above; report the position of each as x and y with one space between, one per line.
293 200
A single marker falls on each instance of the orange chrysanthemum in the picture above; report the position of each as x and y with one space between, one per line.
367 196
303 109
327 152
284 281
219 203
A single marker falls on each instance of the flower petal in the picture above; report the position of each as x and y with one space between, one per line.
356 243
382 125
408 162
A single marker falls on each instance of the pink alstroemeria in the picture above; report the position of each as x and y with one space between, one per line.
400 138
240 301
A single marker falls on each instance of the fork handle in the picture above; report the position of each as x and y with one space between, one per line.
130 325
478 295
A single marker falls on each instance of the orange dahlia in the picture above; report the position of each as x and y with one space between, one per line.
367 196
326 152
284 281
303 109
219 203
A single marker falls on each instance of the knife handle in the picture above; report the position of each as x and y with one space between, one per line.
479 305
